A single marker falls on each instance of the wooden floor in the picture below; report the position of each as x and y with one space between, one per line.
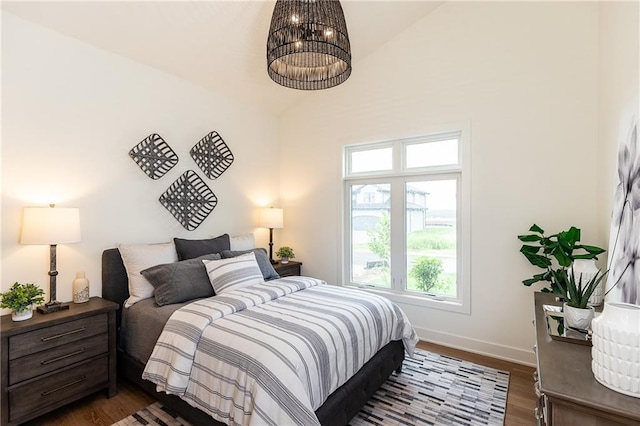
98 410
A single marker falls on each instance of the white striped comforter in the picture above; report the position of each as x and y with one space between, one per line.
272 353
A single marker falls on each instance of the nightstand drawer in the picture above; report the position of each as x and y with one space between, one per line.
57 335
54 359
39 395
287 269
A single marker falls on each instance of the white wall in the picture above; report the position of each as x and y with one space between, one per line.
70 115
618 93
523 77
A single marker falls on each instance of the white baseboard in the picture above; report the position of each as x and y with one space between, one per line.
507 353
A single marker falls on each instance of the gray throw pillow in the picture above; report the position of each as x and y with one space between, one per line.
266 268
190 249
180 281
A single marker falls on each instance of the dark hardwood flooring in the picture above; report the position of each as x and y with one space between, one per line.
100 411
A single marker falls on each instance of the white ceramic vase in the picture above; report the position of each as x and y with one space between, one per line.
22 315
587 269
80 288
578 318
284 260
616 348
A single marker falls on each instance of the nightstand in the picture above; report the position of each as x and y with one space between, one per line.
51 360
287 269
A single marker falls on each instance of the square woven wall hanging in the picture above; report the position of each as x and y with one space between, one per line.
154 156
189 200
212 155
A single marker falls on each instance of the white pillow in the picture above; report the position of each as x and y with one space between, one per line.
233 273
242 242
137 257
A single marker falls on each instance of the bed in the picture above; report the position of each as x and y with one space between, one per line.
338 408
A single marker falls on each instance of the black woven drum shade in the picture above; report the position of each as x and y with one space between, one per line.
308 45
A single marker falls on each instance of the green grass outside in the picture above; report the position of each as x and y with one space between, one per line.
431 241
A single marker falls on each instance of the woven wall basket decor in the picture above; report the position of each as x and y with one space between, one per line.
154 156
189 200
212 155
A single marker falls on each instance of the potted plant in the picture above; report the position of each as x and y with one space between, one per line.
555 254
577 311
20 298
285 253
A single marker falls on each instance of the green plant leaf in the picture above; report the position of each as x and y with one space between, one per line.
593 250
590 287
572 236
561 256
536 259
584 256
529 238
549 245
529 249
545 276
559 283
536 228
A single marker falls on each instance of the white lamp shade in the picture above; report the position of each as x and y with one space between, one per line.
271 218
50 225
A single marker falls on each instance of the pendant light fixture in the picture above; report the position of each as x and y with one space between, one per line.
308 45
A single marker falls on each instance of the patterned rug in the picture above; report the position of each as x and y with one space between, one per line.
432 389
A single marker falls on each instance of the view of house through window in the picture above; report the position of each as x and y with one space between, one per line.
370 234
403 223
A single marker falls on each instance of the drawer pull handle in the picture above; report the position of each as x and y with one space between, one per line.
75 382
536 389
49 361
57 336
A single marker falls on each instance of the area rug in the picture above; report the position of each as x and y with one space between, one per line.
432 389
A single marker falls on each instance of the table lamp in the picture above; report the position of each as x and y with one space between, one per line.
273 219
50 226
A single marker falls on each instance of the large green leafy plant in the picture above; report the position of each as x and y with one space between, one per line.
555 255
20 296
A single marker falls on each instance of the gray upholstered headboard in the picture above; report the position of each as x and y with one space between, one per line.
115 283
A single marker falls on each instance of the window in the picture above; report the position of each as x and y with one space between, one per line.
406 220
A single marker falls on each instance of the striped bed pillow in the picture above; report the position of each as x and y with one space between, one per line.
234 273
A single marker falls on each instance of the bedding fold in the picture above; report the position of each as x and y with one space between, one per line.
273 352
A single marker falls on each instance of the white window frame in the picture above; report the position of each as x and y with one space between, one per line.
397 176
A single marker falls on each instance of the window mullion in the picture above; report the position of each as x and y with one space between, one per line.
398 259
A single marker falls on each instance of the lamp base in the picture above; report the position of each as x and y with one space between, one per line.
52 307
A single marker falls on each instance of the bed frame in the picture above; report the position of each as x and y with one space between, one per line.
338 409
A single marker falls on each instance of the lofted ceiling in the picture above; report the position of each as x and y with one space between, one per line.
219 45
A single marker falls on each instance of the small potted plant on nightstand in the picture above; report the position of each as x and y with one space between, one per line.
20 298
285 253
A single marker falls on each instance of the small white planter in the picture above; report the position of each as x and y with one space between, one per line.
284 260
22 315
577 317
